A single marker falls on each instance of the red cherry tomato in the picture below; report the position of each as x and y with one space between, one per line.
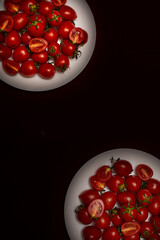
109 199
154 236
65 29
13 39
85 40
104 173
133 237
76 35
154 206
153 185
111 233
45 7
128 212
122 167
130 228
62 63
126 197
144 197
46 70
40 57
38 45
115 217
36 28
54 49
6 21
83 215
54 18
28 69
102 222
11 6
133 183
51 35
11 67
155 221
59 3
88 195
5 52
38 18
146 229
20 54
96 208
29 6
25 38
116 183
144 172
91 233
68 13
20 21
142 214
96 184
69 49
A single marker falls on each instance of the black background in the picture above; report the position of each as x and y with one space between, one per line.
47 136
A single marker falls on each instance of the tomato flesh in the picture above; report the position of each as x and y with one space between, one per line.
96 208
130 228
76 35
11 67
38 45
144 172
59 3
6 24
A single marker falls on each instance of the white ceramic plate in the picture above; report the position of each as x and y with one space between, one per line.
80 182
84 20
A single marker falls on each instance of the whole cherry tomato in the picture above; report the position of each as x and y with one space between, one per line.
142 214
54 18
54 49
102 222
83 215
65 29
40 57
68 13
62 63
51 35
28 69
25 38
155 221
45 7
39 18
111 233
20 21
109 199
154 206
69 49
144 172
144 197
20 54
115 217
96 184
153 185
122 167
13 39
146 229
133 183
116 183
88 195
29 6
126 197
11 67
5 52
46 70
128 212
36 28
154 236
91 233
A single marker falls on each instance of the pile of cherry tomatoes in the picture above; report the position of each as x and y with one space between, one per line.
39 37
120 205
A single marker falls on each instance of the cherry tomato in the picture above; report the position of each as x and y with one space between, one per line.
36 28
68 13
54 18
20 54
39 18
54 49
88 195
69 49
144 172
65 29
128 212
11 6
91 233
29 7
47 70
115 217
11 67
13 39
20 21
142 214
104 173
109 199
83 215
155 221
111 233
25 38
76 35
62 63
144 197
85 40
126 197
154 206
116 183
38 45
96 208
133 183
123 167
133 237
96 184
153 185
146 229
102 222
59 3
51 35
130 228
5 52
154 236
28 69
6 21
45 7
40 57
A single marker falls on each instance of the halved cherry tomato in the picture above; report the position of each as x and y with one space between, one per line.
13 39
102 222
96 208
28 69
59 3
111 233
130 228
45 7
54 49
54 18
68 13
96 184
29 6
20 21
83 215
144 197
65 29
88 195
62 63
38 45
5 52
91 233
76 35
109 199
104 173
46 70
115 217
6 22
11 67
41 57
123 167
144 172
133 183
146 229
20 54
11 6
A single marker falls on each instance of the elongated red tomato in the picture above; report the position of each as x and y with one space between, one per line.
96 208
109 199
130 228
5 52
91 233
122 167
46 70
68 13
102 222
38 45
104 173
12 6
11 67
144 172
88 195
28 69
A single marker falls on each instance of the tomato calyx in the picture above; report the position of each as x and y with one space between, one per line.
62 68
146 199
33 7
113 211
34 22
128 209
54 17
78 208
122 187
144 185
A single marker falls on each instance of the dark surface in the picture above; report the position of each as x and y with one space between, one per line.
46 137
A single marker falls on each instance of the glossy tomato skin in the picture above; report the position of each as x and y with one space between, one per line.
68 48
76 35
154 206
38 18
144 172
54 18
20 54
115 217
54 49
146 229
62 63
116 183
29 7
46 70
96 208
37 45
126 197
88 195
40 57
91 233
133 237
123 167
45 7
51 35
11 67
5 52
142 214
133 183
13 39
130 228
25 38
102 222
68 13
111 233
28 69
83 215
59 3
36 29
20 21
128 212
153 185
109 198
155 221
11 6
65 29
144 197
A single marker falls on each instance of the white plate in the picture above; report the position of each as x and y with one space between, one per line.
84 20
80 182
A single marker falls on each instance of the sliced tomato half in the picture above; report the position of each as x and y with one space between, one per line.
6 24
104 173
77 35
96 208
38 45
11 67
97 184
144 172
59 3
130 228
